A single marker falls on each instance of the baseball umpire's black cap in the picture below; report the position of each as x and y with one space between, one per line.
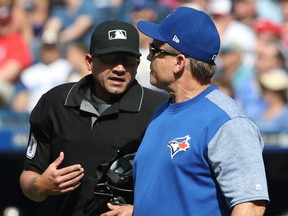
114 36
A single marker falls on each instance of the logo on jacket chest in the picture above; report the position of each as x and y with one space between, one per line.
178 145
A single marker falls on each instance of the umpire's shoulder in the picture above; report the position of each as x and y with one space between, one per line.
154 98
57 94
50 102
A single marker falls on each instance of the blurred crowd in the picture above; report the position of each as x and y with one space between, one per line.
43 44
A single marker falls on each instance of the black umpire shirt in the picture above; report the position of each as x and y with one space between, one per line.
65 120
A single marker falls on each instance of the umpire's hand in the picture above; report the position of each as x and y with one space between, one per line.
52 182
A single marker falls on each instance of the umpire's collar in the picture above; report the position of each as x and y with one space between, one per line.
131 101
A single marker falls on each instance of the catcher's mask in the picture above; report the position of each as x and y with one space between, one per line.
117 180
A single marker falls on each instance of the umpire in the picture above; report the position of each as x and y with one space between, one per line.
76 127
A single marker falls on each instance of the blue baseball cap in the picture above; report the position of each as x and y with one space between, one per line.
190 31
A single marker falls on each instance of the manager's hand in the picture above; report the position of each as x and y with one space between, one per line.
119 210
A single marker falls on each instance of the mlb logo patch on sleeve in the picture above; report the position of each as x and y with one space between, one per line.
32 146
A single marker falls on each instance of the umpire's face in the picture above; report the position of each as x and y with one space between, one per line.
113 73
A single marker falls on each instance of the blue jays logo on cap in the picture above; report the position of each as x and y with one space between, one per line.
188 30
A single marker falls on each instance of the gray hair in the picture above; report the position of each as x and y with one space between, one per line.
202 71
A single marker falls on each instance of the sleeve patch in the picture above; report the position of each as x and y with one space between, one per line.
32 146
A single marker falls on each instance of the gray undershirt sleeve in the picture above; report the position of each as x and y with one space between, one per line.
235 155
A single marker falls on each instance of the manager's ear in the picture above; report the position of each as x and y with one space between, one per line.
179 63
89 61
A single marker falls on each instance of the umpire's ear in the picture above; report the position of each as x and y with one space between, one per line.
88 60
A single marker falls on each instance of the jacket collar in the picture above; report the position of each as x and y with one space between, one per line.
131 101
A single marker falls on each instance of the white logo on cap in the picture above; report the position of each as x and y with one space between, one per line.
176 39
117 34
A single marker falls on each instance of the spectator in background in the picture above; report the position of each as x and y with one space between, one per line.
241 77
73 21
75 54
245 11
20 20
115 9
267 32
162 10
15 55
274 86
37 14
147 12
225 86
284 26
269 9
197 4
172 4
231 30
269 56
37 79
